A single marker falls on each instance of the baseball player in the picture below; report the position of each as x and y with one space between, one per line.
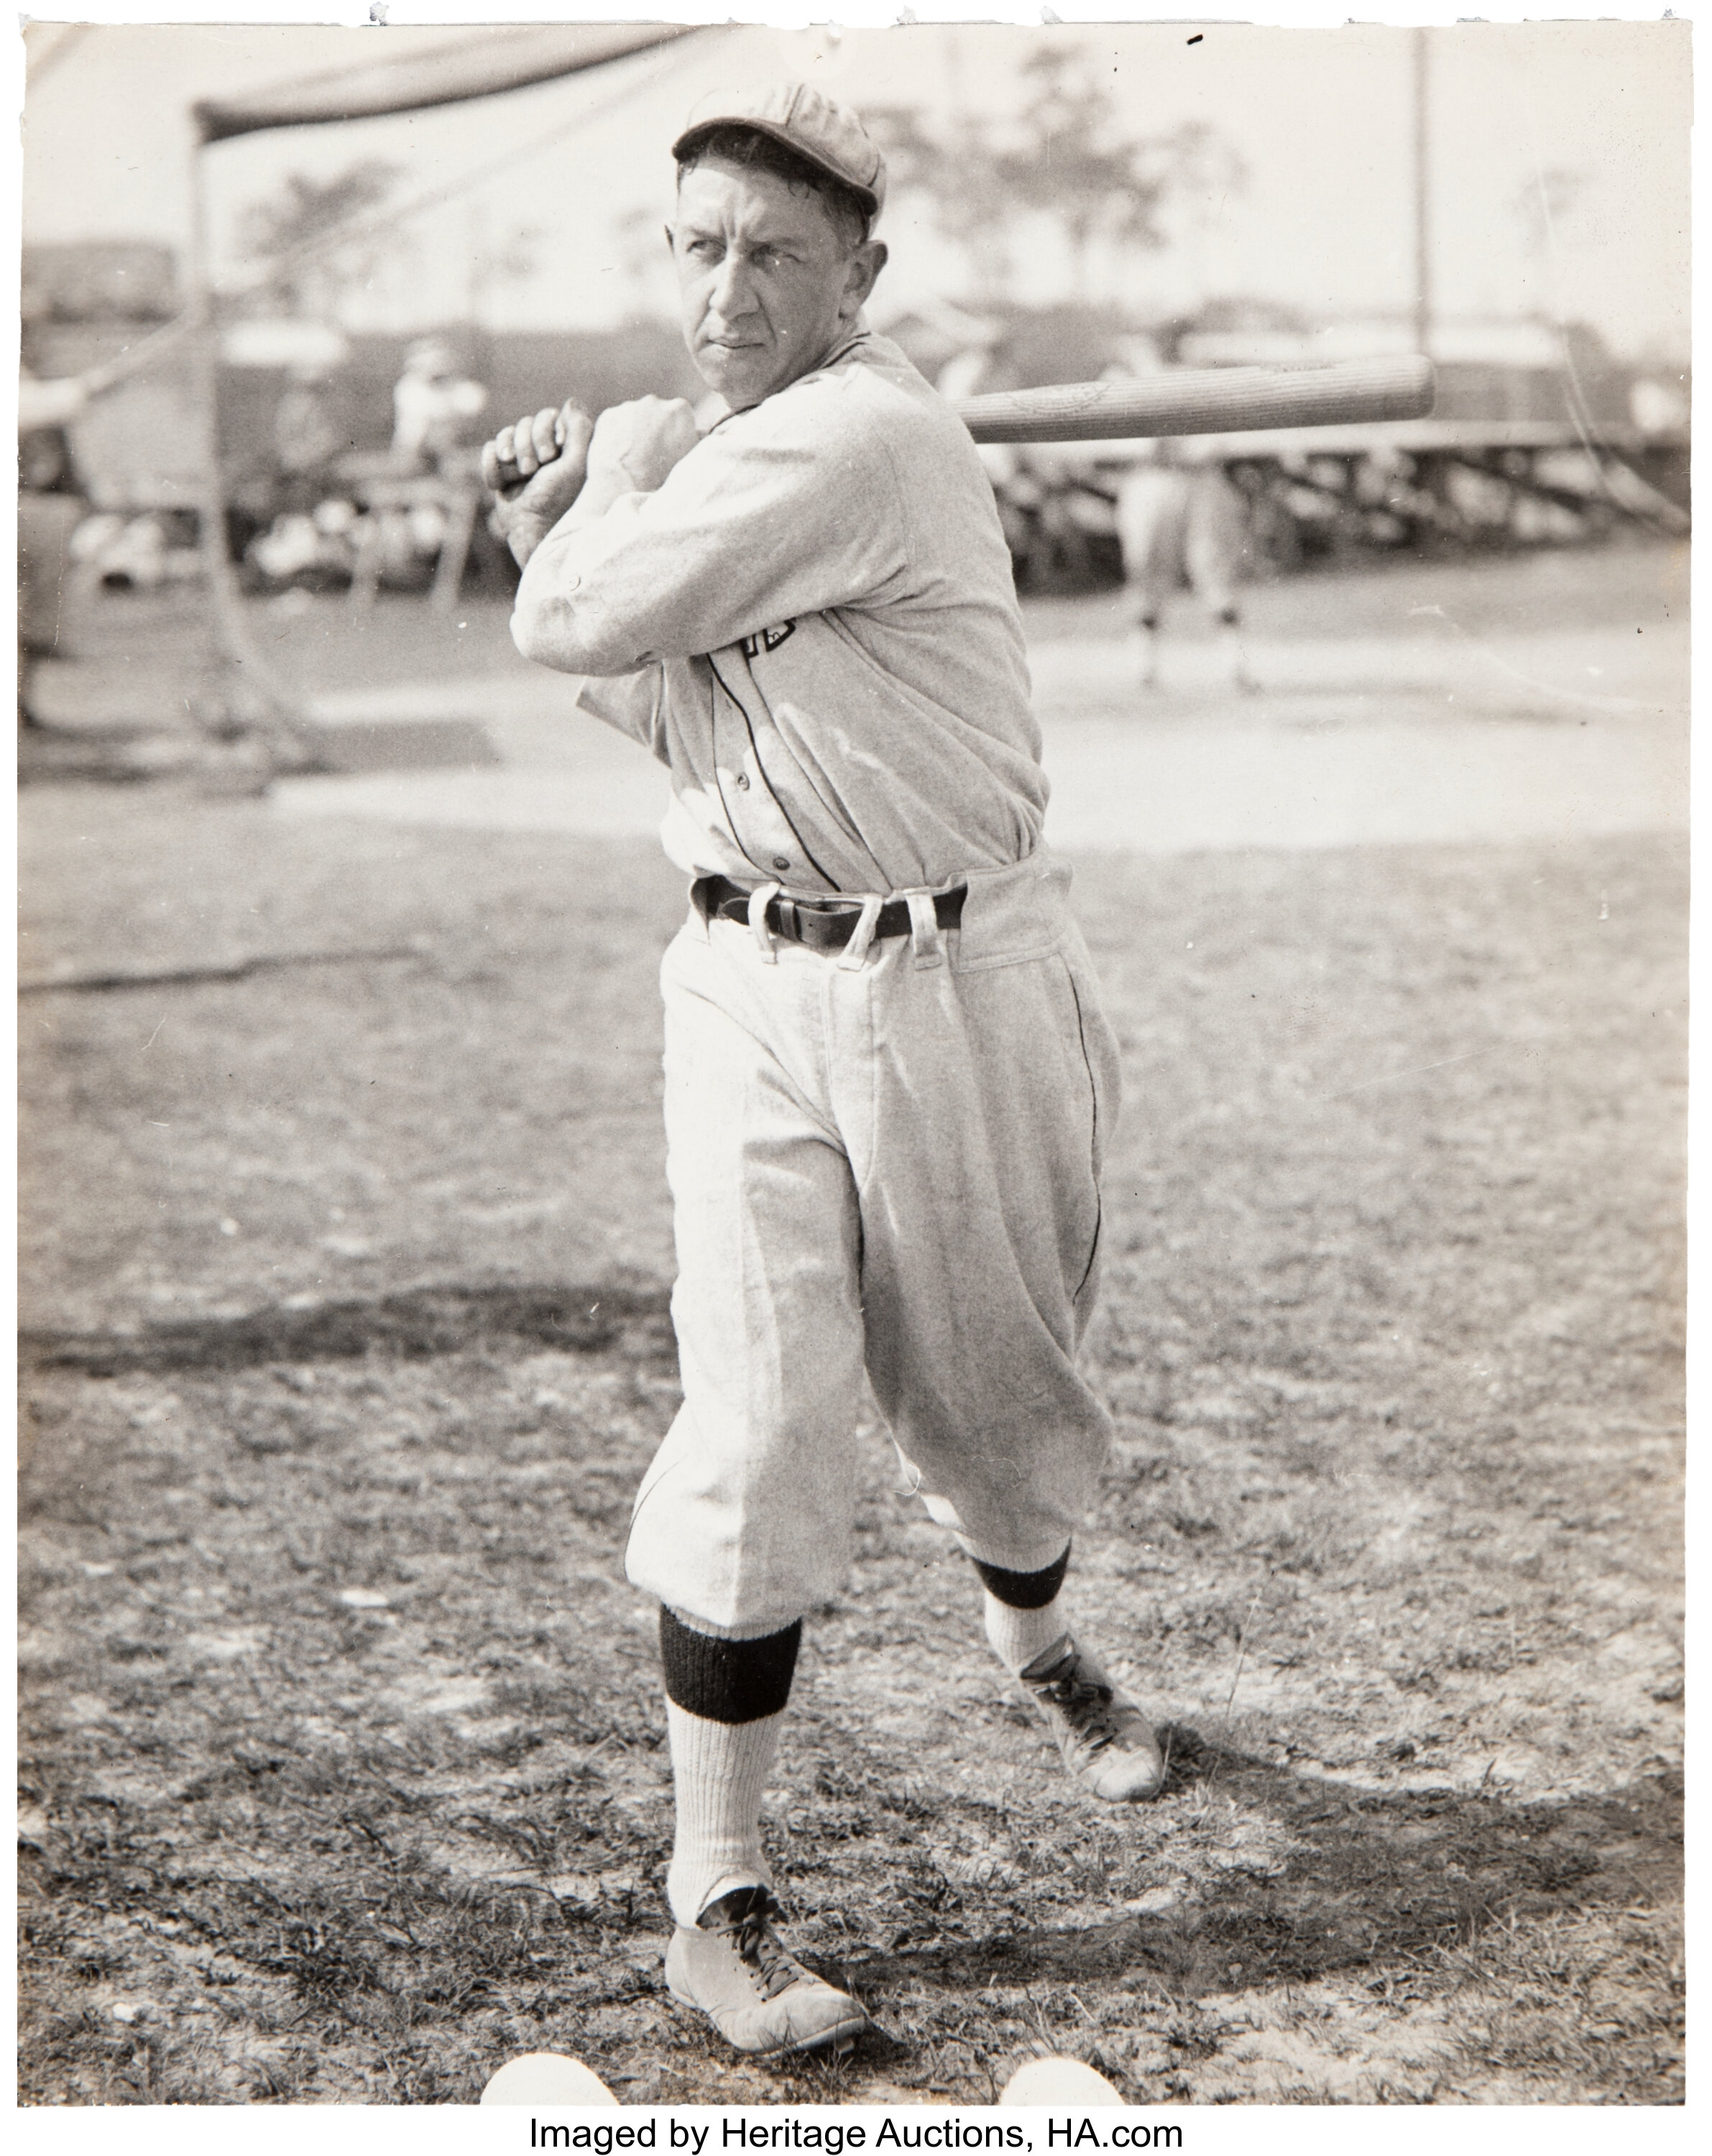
888 1082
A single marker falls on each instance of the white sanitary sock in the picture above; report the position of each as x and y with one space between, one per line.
1016 1636
718 1771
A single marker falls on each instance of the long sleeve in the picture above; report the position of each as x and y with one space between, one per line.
790 509
634 703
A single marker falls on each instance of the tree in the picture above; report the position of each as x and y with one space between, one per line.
1067 158
310 240
962 174
1072 166
1197 170
493 262
646 262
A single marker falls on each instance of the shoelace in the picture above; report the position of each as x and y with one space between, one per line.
1085 1703
752 1936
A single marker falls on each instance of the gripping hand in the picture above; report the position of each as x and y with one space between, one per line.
636 444
536 469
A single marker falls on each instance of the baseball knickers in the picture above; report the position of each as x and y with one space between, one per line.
894 1165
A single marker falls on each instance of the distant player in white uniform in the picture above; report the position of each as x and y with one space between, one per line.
888 1079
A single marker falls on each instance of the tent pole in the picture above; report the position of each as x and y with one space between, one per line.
262 701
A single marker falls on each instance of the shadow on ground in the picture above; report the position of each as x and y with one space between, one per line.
412 1324
1371 1878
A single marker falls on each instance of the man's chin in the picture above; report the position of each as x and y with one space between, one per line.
734 374
743 375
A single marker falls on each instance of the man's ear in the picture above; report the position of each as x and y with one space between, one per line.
865 263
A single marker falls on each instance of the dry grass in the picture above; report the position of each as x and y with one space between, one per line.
342 1765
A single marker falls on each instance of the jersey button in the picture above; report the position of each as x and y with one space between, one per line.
743 782
781 861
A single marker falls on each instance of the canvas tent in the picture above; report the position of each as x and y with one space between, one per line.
482 66
487 64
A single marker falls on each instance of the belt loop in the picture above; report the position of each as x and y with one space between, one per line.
924 929
861 936
759 900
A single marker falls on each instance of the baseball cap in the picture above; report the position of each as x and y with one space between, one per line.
828 135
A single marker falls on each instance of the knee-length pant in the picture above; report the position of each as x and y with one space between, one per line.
896 1165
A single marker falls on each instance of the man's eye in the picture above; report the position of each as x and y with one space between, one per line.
706 250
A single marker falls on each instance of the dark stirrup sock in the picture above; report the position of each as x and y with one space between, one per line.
729 1680
1024 1590
1021 1611
724 1708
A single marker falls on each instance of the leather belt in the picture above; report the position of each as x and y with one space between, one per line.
825 927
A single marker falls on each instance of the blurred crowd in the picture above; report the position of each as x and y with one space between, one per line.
317 498
341 515
305 509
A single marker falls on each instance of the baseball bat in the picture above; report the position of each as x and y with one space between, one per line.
1206 400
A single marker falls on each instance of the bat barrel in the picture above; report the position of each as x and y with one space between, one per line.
1212 400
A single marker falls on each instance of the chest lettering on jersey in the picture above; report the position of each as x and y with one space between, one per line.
768 639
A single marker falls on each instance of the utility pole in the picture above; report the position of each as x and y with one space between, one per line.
1423 182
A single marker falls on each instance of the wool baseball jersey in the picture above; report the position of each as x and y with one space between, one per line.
813 623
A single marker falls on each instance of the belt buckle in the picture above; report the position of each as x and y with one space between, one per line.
840 919
790 921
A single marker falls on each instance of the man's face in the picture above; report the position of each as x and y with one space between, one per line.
766 286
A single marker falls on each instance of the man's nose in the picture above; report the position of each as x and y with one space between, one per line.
733 291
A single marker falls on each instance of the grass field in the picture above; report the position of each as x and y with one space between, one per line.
345 1341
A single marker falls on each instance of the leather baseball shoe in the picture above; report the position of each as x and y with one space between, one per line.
1107 1741
760 1997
